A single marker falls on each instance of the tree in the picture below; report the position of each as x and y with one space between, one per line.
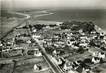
49 50
65 25
38 26
88 27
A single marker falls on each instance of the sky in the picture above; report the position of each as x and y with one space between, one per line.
17 4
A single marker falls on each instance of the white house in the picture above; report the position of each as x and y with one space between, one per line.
95 54
36 36
35 68
69 43
101 55
95 60
67 66
34 30
37 52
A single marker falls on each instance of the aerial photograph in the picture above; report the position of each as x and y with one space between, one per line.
52 36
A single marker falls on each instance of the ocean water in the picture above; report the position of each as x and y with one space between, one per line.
97 16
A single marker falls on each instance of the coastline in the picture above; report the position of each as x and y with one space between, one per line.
46 13
27 17
17 24
99 29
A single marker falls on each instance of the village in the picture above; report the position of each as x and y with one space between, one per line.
68 47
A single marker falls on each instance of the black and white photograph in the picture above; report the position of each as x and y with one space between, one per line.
52 36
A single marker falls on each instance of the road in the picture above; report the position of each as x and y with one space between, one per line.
54 67
25 19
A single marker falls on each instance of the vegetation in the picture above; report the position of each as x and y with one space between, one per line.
66 25
38 26
76 25
49 50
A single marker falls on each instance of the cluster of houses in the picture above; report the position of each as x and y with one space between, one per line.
76 41
18 42
60 44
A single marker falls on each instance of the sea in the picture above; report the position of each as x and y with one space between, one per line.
97 16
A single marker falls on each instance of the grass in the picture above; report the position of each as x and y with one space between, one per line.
28 68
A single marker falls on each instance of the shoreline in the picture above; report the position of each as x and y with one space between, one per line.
27 17
99 29
23 19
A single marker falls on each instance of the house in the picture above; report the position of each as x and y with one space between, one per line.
104 37
36 36
58 23
80 31
34 52
67 66
69 43
101 35
76 64
47 27
1 44
54 52
58 61
37 52
37 68
93 32
95 60
28 41
83 37
60 43
101 55
83 44
34 30
86 70
95 54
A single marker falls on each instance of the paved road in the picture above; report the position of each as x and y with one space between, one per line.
25 19
54 67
